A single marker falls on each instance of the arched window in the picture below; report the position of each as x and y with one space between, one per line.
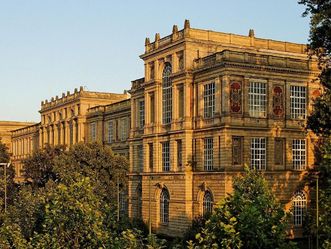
164 206
166 94
207 203
299 205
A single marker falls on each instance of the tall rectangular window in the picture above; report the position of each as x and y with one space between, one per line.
93 131
140 157
258 153
181 101
151 157
209 100
257 99
298 102
299 154
110 131
123 129
208 153
141 113
179 154
166 156
152 108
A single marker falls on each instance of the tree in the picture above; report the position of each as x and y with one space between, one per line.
38 168
320 119
251 217
320 45
97 162
10 175
70 203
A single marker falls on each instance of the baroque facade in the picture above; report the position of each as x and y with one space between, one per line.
63 122
209 105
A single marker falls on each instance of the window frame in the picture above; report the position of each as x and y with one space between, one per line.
257 99
164 206
299 207
298 102
258 150
207 204
209 101
299 154
208 153
167 94
166 156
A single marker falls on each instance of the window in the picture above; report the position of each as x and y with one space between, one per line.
279 151
258 153
93 131
110 132
299 205
299 154
71 133
298 102
180 61
207 203
124 129
152 108
58 126
164 206
141 113
208 153
181 101
150 153
209 100
140 157
166 94
257 99
151 71
166 156
237 151
179 154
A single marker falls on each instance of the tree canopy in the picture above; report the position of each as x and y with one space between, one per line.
250 217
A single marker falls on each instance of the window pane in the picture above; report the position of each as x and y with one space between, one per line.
257 99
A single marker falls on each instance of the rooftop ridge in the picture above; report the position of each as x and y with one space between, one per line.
249 40
76 94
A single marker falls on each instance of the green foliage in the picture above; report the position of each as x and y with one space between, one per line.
249 218
320 119
39 168
320 45
198 224
97 162
71 202
10 175
4 154
73 217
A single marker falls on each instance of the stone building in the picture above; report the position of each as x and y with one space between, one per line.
63 122
209 104
110 125
24 142
5 130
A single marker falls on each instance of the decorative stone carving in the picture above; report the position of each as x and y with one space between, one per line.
278 101
203 187
235 97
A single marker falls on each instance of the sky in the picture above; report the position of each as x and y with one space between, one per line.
52 46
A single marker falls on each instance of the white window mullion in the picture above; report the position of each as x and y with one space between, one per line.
258 153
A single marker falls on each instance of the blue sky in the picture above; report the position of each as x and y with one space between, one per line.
50 46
